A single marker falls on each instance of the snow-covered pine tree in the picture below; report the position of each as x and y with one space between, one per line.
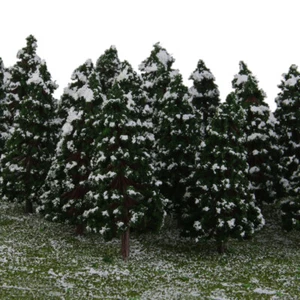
3 128
177 135
124 195
108 65
156 72
288 130
224 206
30 146
67 181
260 133
205 94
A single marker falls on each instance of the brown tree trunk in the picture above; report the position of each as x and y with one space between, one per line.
125 245
221 247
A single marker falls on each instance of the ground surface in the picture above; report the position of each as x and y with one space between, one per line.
41 260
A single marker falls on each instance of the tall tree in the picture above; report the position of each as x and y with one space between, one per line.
124 193
260 133
204 93
3 128
224 205
288 129
30 147
176 138
67 181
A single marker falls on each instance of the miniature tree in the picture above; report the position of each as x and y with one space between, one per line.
67 181
204 93
224 206
108 65
177 137
288 129
3 128
31 144
124 193
260 133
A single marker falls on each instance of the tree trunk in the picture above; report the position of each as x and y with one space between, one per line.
222 247
28 207
125 244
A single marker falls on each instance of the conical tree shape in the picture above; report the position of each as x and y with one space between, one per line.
288 129
260 134
156 73
176 138
17 87
124 193
224 206
67 181
108 65
204 93
31 145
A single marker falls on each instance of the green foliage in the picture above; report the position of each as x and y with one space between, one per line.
260 132
223 205
123 192
29 148
204 93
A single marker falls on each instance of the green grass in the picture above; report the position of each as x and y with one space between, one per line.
42 260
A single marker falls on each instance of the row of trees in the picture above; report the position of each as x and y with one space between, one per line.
120 149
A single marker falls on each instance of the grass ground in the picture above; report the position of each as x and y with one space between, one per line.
41 260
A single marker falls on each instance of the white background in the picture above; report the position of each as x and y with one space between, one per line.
264 34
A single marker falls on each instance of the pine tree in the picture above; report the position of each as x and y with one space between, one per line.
156 73
2 108
67 181
260 133
176 139
29 149
288 129
108 65
124 193
224 205
204 93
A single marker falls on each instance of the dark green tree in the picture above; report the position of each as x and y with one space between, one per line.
260 133
124 194
3 127
204 93
224 206
67 181
176 139
288 130
108 65
30 146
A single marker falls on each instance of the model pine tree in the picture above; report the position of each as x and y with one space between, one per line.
176 139
3 128
108 66
31 144
224 206
204 93
260 133
288 129
124 194
67 181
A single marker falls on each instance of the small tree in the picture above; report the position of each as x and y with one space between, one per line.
204 93
224 206
28 151
124 193
260 133
67 181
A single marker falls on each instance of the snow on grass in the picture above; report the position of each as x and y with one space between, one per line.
41 260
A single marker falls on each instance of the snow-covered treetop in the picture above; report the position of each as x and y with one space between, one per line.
246 86
159 58
29 52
